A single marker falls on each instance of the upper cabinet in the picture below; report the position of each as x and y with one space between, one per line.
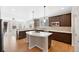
60 20
36 23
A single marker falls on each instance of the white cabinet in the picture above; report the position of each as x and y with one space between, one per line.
9 40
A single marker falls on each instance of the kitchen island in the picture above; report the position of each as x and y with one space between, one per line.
39 39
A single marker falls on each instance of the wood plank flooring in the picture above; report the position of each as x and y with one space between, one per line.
56 46
22 46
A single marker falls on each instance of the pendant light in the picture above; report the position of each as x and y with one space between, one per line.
33 14
33 19
44 14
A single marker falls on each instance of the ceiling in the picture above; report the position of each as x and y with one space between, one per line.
24 13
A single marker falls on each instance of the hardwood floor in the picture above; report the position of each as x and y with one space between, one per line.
60 47
22 46
56 46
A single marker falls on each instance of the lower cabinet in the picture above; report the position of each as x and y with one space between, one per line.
62 37
21 35
49 41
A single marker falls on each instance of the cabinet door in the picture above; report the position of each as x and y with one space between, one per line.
64 20
68 19
62 37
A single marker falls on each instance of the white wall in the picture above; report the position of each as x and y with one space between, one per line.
25 12
75 27
19 12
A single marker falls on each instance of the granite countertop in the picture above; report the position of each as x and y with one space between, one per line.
57 29
25 29
53 29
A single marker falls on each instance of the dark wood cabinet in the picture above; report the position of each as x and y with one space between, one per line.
62 37
64 20
49 41
21 35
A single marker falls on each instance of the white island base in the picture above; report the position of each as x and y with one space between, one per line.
39 39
